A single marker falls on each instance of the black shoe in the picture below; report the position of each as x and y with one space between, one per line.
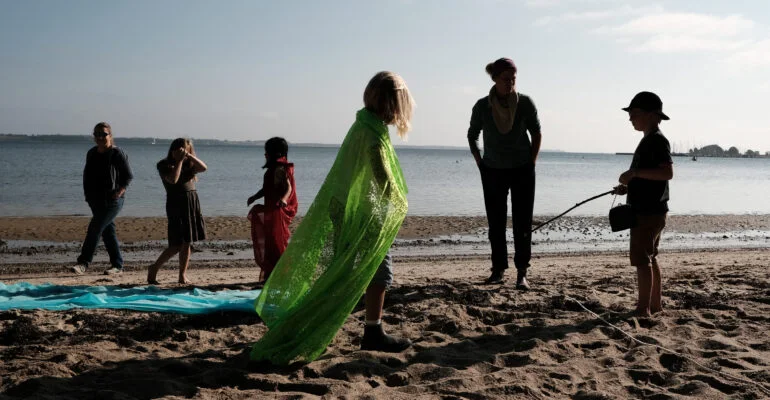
376 339
521 283
495 278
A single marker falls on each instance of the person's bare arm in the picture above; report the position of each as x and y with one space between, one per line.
255 197
283 184
663 172
172 175
198 165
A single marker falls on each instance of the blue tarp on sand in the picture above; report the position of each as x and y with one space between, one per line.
46 296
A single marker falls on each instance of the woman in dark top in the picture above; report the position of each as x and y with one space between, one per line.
508 164
183 209
105 179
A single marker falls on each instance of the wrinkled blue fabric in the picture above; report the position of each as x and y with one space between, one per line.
46 296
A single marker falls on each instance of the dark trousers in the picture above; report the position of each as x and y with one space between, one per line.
102 224
521 184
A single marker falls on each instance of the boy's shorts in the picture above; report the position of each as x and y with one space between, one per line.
645 238
384 274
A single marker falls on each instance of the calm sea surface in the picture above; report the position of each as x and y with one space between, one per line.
45 178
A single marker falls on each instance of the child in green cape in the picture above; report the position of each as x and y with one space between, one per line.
339 250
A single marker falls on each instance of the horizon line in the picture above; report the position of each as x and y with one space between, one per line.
257 142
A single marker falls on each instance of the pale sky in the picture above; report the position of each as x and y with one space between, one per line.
248 70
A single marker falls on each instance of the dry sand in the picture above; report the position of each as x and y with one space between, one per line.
471 340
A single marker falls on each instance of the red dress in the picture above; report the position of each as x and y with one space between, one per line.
270 222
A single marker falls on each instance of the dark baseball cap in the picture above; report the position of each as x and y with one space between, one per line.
647 101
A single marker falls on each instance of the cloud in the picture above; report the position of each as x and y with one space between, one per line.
734 38
669 43
557 3
596 15
689 24
738 41
755 55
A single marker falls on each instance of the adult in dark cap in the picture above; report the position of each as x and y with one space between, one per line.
646 183
507 164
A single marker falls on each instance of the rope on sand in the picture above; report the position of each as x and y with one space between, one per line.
761 387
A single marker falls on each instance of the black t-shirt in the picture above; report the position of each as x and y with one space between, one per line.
646 196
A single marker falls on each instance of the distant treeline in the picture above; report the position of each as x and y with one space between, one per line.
166 142
716 151
131 140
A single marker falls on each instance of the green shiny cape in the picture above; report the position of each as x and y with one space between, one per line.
336 249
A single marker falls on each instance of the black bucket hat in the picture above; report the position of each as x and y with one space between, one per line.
647 101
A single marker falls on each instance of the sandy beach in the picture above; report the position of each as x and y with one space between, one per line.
471 340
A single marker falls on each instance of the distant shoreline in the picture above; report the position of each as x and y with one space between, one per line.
701 156
210 142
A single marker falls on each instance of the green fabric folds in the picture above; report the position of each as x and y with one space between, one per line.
336 249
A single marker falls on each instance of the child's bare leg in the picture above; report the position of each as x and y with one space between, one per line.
184 260
375 300
655 296
644 281
152 271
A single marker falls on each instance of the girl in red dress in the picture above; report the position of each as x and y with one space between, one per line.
270 221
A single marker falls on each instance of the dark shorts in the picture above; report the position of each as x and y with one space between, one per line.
384 274
645 237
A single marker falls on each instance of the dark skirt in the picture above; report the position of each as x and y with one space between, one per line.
185 221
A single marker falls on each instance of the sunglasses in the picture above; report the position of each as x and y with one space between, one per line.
101 134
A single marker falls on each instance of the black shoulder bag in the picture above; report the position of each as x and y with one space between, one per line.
622 217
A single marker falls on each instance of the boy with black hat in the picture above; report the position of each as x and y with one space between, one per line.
646 183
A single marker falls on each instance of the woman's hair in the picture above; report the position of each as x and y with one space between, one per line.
99 128
387 96
498 66
275 148
177 143
183 143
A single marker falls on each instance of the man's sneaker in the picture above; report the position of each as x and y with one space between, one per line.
522 284
376 339
78 269
113 271
495 278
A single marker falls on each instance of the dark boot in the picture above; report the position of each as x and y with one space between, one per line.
495 278
376 339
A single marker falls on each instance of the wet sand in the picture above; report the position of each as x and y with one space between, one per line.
134 229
